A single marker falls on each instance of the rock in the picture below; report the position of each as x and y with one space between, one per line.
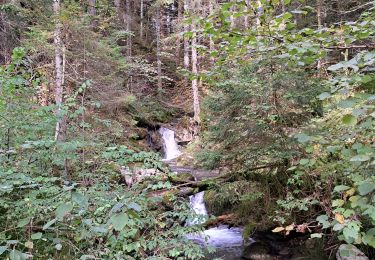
350 252
258 251
141 133
182 177
155 141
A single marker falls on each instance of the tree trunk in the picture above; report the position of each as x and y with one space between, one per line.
186 38
141 24
194 63
211 4
128 29
246 17
232 21
158 47
61 125
178 31
92 7
319 19
60 130
259 13
92 12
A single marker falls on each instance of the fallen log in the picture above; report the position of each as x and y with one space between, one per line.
228 219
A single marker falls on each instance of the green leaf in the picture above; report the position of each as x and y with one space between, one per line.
302 138
17 255
360 158
304 161
349 120
335 67
3 249
80 199
324 96
346 103
340 188
23 222
36 236
338 203
119 221
366 188
134 206
49 223
63 210
316 235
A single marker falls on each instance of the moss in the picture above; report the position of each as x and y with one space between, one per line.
182 177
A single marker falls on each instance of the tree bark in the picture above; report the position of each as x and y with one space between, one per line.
61 124
141 23
194 63
319 20
186 38
259 13
92 7
246 17
128 29
60 130
211 4
178 31
158 47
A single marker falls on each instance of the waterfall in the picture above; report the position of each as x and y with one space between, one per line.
171 150
198 206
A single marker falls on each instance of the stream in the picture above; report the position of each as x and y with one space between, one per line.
227 241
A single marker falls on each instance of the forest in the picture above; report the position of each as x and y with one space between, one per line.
187 129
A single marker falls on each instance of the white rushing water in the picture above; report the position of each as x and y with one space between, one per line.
171 150
227 241
198 206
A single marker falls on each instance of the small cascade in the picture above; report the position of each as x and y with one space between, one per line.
198 206
227 241
171 150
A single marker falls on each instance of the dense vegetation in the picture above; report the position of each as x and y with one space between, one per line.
278 95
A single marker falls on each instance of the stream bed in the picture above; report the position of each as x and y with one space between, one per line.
228 242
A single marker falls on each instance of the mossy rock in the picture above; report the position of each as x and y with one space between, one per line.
182 177
168 198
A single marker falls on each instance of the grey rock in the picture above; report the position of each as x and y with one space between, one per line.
350 252
257 251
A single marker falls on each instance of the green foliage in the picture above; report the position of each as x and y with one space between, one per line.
88 215
250 112
268 89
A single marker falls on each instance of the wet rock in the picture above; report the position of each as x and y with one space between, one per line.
258 251
155 140
141 133
182 177
350 252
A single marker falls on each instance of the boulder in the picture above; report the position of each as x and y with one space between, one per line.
258 251
350 252
155 140
182 177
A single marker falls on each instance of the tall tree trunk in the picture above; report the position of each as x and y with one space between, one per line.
178 31
259 13
158 47
92 12
142 17
60 130
232 21
283 8
61 125
128 29
246 17
186 38
319 19
211 5
194 63
92 7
